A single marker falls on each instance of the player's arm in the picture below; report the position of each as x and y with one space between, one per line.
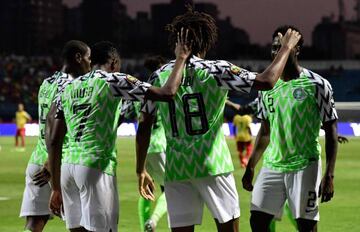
233 105
55 130
342 139
326 104
130 88
331 145
169 89
42 177
146 185
231 77
267 79
261 142
28 116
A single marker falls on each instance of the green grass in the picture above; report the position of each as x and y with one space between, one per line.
338 215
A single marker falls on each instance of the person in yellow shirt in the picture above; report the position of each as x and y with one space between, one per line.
22 117
243 137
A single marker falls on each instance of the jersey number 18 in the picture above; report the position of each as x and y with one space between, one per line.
189 115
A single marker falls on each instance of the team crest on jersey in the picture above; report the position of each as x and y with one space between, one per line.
299 94
235 70
132 80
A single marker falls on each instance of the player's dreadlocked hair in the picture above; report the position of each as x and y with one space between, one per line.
283 29
203 31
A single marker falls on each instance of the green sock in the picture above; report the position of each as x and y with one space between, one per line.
144 208
160 209
272 226
288 213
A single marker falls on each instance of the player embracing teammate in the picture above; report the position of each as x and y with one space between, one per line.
198 166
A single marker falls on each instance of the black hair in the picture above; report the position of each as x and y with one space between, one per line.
154 62
283 29
203 31
102 51
71 48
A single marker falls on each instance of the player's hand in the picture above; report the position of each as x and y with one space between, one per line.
326 191
290 39
42 177
56 203
342 139
247 179
146 186
183 46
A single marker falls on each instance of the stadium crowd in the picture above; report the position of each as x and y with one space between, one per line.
21 77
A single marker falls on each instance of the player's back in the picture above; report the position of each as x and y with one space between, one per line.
91 112
193 119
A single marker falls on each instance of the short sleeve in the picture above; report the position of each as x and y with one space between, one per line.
126 109
149 106
325 101
126 86
61 85
261 109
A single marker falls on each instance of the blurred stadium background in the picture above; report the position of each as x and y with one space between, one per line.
32 33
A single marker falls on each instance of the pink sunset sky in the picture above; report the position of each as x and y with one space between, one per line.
260 17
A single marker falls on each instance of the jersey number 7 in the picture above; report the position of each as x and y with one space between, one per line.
82 107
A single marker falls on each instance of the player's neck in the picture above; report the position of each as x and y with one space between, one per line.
291 72
72 71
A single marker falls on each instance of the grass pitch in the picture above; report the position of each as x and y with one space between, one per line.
341 214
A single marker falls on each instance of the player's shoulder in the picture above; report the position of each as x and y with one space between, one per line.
107 76
162 72
199 63
58 75
316 79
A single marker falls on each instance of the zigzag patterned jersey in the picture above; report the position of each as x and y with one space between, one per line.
46 96
157 140
90 106
196 145
295 110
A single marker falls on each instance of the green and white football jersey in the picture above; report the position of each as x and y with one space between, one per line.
196 145
295 110
46 96
157 140
90 107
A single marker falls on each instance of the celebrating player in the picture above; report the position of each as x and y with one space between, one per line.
198 166
291 115
88 110
37 189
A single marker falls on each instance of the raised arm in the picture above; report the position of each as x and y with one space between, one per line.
130 88
262 141
267 79
182 53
